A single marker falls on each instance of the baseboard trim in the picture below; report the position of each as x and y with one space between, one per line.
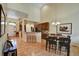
75 44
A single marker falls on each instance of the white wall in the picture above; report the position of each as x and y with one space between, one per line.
66 13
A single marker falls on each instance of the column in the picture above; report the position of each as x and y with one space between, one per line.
23 30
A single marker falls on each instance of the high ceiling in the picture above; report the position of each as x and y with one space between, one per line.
24 6
32 10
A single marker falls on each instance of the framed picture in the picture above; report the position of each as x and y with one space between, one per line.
2 21
65 28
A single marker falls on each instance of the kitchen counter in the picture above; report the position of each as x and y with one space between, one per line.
33 37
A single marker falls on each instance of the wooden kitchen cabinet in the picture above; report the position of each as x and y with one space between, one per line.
43 27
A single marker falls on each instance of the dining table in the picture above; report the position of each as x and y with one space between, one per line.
57 39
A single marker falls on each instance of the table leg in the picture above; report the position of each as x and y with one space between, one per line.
46 44
68 50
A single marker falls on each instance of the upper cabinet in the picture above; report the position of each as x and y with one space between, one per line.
43 26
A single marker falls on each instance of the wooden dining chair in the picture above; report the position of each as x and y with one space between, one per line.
65 42
52 43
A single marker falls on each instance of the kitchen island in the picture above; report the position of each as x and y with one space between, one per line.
32 37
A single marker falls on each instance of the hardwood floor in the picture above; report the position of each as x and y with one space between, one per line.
74 51
38 49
